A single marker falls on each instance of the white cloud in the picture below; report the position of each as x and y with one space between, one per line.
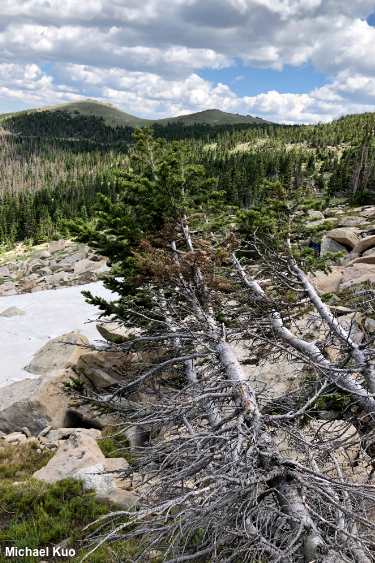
152 96
144 56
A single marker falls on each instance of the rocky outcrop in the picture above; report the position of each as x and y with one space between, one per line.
56 245
77 452
365 244
63 433
351 322
93 477
63 264
71 260
81 458
137 435
90 416
315 214
328 283
87 265
126 499
59 353
370 252
4 272
111 329
101 369
346 237
357 274
331 245
367 212
43 255
35 403
351 221
361 260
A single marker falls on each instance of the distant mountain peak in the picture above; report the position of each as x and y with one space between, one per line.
114 116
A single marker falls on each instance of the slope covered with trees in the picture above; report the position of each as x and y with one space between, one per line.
52 164
233 471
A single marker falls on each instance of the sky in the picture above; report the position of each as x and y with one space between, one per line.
287 61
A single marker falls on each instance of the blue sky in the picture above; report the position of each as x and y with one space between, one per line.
250 81
288 61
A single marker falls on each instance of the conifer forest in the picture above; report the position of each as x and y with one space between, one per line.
53 165
239 371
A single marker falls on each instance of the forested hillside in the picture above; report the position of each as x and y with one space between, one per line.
53 164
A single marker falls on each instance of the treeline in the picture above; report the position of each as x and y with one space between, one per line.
52 165
64 125
39 216
43 181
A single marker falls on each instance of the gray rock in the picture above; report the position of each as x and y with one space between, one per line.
327 283
77 452
4 272
370 252
351 221
90 416
370 325
126 499
8 285
61 433
344 236
86 265
35 403
43 432
341 310
9 292
103 268
15 436
110 329
318 222
367 212
138 436
26 431
330 245
59 353
312 213
357 274
45 271
365 243
361 260
56 245
116 465
80 255
94 478
345 260
101 368
61 267
12 312
42 255
58 277
351 324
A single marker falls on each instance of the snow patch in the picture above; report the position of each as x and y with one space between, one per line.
47 314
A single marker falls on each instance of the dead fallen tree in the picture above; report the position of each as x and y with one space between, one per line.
219 485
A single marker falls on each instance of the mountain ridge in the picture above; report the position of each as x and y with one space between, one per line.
114 116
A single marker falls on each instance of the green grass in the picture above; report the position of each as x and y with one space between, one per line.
115 446
37 515
18 463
